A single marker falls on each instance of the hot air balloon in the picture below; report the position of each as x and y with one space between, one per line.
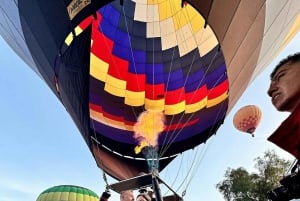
67 193
118 66
247 118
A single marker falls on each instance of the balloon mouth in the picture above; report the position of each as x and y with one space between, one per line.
251 131
151 155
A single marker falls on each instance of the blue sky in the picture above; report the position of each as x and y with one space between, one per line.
40 146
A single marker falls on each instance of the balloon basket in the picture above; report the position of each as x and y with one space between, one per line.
151 180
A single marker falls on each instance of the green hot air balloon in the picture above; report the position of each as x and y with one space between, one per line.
67 193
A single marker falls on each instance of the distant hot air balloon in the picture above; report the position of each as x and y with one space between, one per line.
247 118
67 193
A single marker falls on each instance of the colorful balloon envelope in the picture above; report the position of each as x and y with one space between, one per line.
247 118
67 193
154 73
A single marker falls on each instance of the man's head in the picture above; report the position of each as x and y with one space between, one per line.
285 84
143 197
127 195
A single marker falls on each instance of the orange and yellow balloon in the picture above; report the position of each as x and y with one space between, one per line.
247 118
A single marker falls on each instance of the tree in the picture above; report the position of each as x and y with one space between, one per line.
239 185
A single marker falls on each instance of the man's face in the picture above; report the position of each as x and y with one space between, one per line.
285 87
127 196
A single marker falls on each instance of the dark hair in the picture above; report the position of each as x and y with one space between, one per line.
289 59
145 196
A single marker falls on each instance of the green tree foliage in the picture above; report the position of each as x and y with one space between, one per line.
240 185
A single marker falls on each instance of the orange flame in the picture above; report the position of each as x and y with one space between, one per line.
147 129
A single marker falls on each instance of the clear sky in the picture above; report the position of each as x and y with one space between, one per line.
40 146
